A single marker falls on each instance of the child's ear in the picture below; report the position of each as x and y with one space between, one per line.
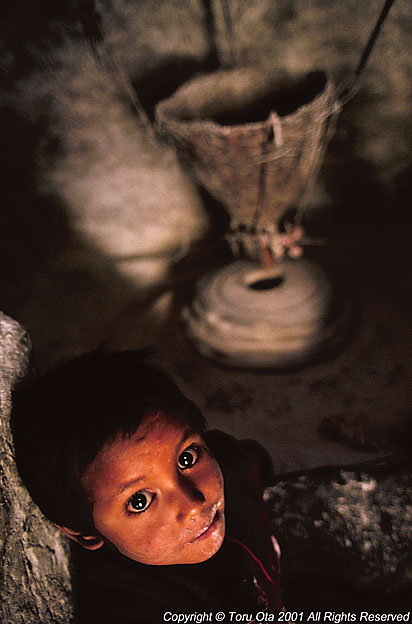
90 542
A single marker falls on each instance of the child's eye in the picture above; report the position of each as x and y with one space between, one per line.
188 458
140 501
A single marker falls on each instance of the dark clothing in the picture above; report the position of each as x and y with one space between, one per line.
242 576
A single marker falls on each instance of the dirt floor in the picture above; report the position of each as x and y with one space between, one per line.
358 395
349 405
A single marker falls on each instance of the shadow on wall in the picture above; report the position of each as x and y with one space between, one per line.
62 289
33 228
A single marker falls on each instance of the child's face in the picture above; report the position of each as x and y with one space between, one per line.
158 495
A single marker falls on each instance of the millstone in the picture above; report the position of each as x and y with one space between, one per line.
248 316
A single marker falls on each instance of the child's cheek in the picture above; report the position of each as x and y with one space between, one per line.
159 547
215 478
210 482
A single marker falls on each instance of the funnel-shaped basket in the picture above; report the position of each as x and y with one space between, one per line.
254 143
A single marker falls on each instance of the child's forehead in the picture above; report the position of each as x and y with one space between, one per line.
159 421
154 424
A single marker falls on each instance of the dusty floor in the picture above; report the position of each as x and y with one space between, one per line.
69 308
367 380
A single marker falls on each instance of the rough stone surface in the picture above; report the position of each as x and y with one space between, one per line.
345 535
34 570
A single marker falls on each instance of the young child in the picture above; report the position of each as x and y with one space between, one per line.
169 517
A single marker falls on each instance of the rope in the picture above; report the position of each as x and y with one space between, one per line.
106 58
261 198
353 86
229 31
345 94
372 39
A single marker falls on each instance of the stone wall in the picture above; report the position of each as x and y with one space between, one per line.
345 536
34 572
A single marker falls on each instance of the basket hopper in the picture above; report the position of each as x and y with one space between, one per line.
253 140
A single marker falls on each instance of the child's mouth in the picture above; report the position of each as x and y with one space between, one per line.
208 530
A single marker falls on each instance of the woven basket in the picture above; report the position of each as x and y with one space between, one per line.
254 144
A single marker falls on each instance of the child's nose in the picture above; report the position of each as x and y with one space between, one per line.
189 499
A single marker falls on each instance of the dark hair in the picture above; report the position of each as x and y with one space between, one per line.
61 420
